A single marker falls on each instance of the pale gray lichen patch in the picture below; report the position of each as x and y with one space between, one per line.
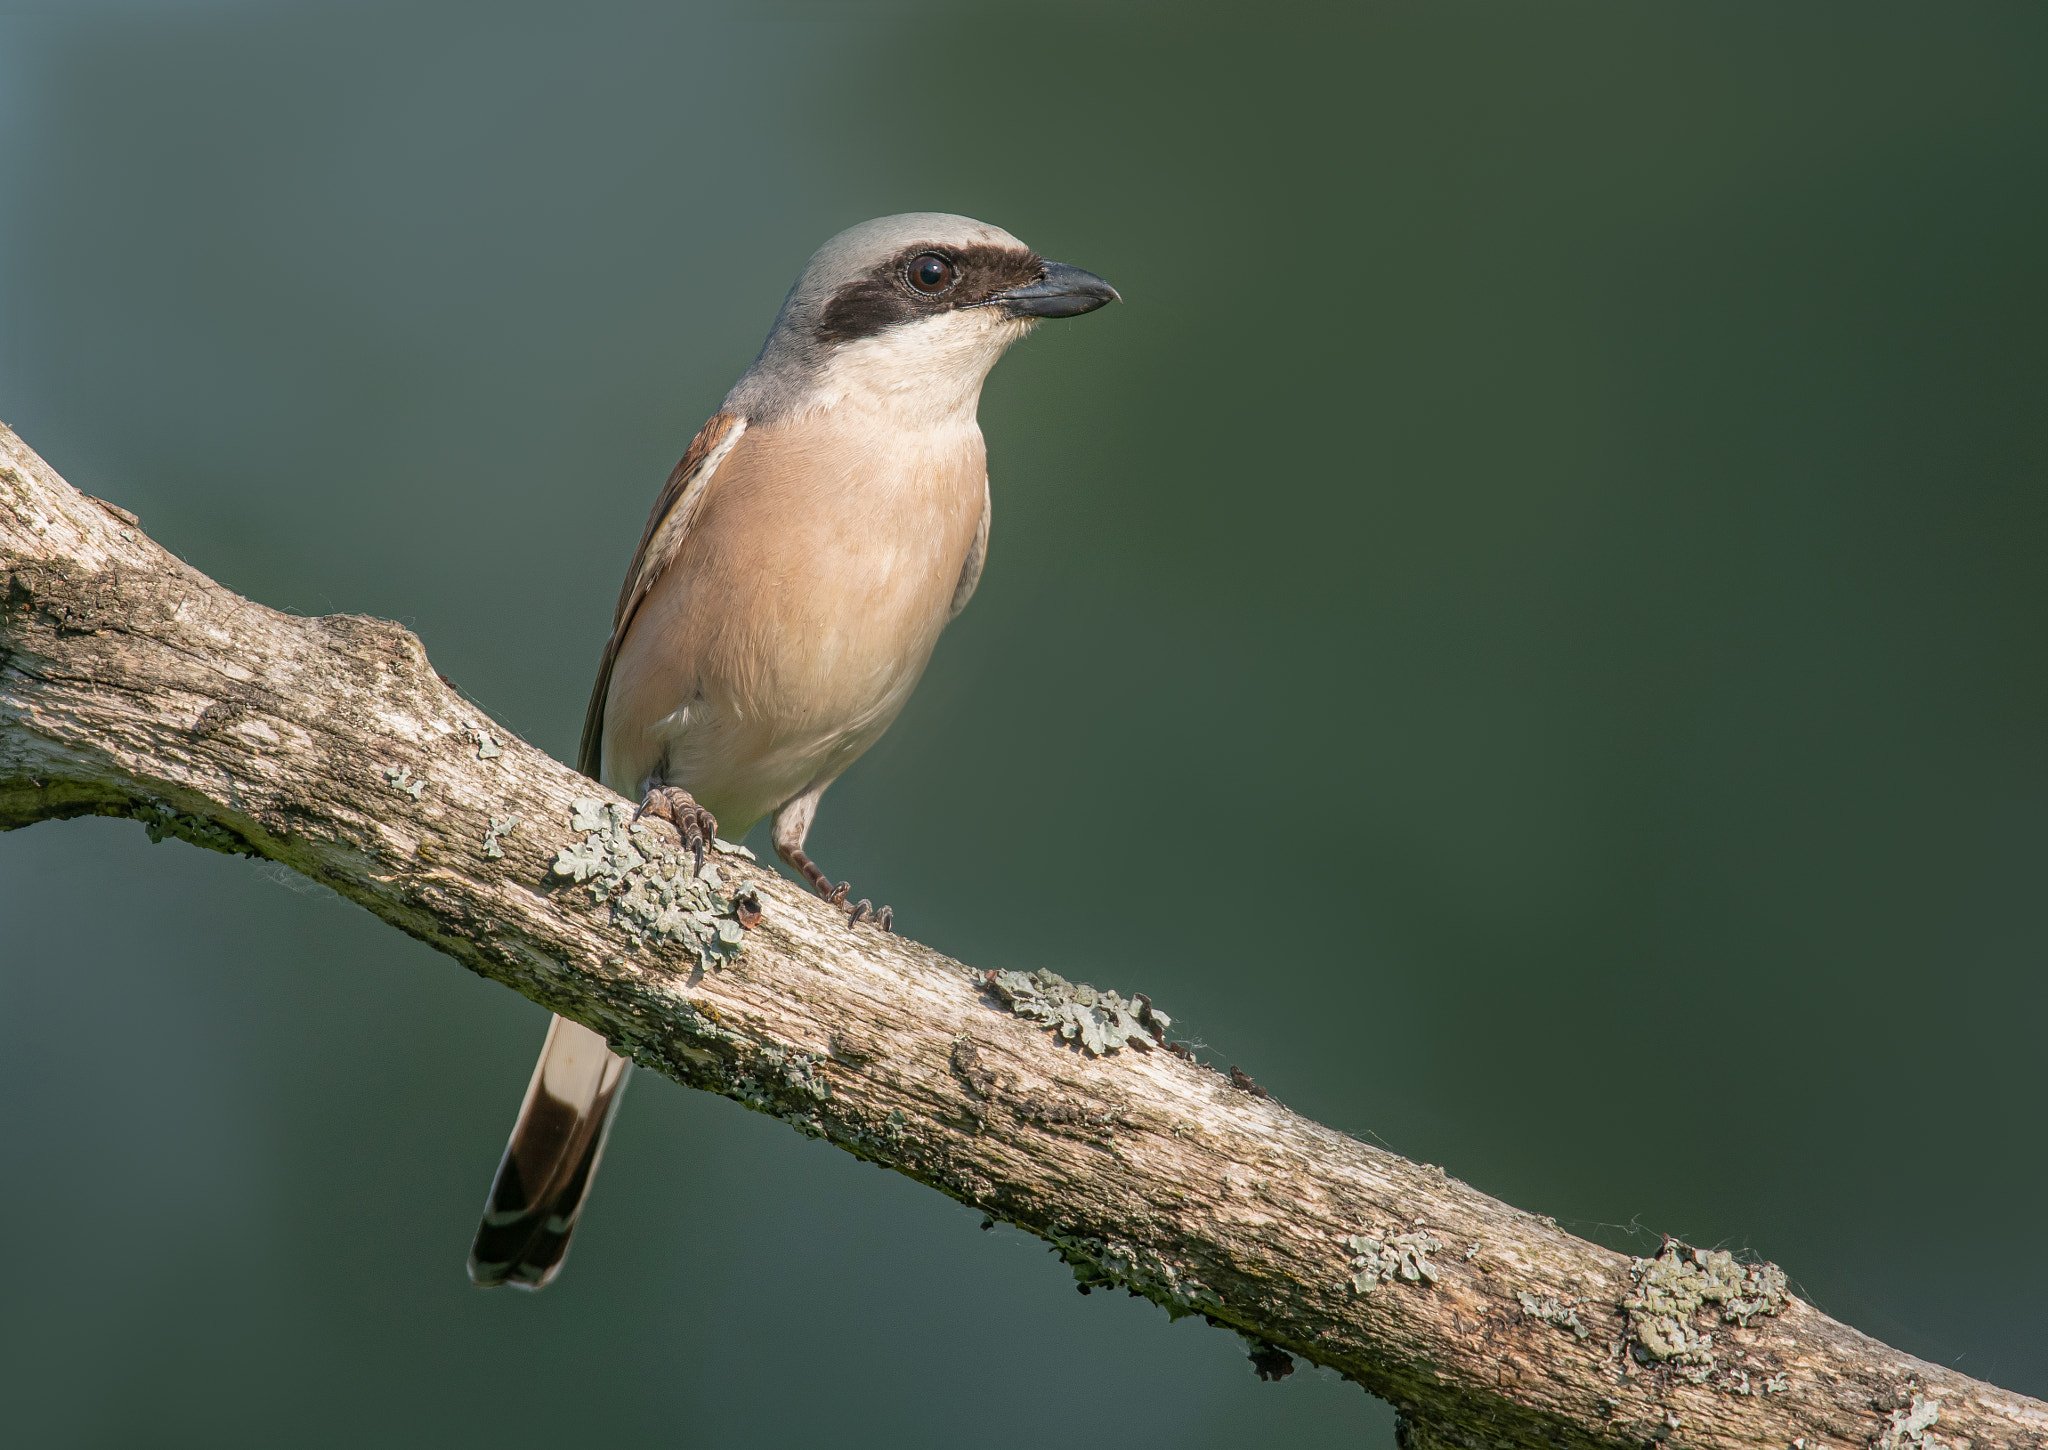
1740 1383
501 826
1380 1257
402 781
730 848
1099 1022
878 1138
1561 1312
1906 1429
487 746
1118 1264
787 1084
652 889
1674 1287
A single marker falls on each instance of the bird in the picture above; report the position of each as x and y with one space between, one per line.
822 528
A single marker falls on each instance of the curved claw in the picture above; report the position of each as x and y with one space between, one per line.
860 910
838 896
886 918
693 824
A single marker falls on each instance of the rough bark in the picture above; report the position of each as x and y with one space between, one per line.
131 685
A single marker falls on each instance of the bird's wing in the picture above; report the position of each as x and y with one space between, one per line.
681 500
970 571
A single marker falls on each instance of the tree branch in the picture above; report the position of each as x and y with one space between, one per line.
132 685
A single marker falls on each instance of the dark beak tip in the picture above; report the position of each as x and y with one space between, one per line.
1063 291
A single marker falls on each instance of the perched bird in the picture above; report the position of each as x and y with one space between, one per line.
824 526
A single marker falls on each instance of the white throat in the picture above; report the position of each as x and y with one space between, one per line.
919 375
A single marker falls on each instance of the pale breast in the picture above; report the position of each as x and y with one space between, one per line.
798 614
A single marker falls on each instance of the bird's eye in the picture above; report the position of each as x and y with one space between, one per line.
931 273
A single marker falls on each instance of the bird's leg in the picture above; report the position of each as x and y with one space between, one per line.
679 808
861 910
794 856
792 824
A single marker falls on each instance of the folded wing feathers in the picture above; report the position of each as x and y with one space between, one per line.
675 509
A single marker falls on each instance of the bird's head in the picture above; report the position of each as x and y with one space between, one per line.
907 314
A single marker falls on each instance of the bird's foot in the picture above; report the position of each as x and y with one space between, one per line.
859 911
864 909
697 826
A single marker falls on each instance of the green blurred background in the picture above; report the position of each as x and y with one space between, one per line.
1559 517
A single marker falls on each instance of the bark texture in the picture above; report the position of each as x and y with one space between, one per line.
132 685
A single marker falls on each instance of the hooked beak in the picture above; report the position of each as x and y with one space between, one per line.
1062 292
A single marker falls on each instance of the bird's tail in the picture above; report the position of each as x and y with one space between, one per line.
545 1174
